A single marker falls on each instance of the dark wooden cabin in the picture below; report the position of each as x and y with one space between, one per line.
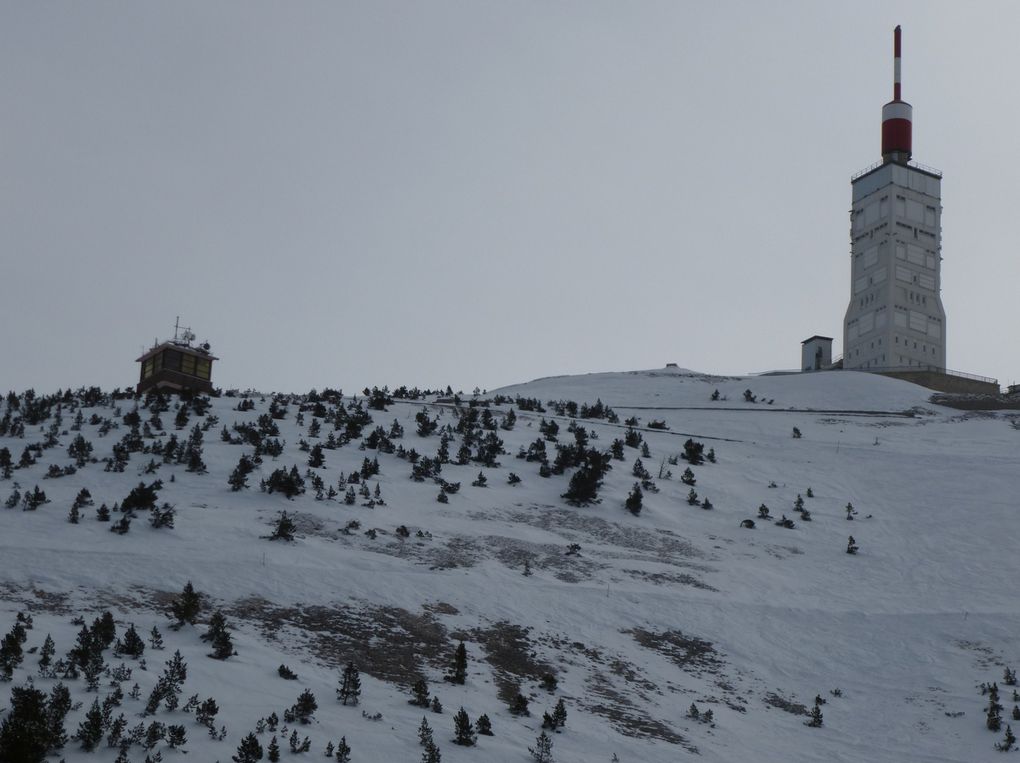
176 366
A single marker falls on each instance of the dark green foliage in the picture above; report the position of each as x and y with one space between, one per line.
34 499
238 479
459 673
205 712
420 693
290 483
132 644
186 607
286 673
815 721
90 730
26 732
688 477
162 516
11 653
168 688
633 502
484 726
343 751
693 452
463 729
1008 742
284 529
316 458
542 751
154 734
218 635
851 546
273 750
424 732
586 481
249 751
305 707
349 691
519 705
141 498
176 736
46 654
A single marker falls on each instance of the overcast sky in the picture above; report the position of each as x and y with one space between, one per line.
481 193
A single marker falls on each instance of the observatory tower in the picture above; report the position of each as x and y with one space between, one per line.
895 319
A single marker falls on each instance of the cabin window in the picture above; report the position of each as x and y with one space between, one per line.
188 364
147 368
172 360
202 368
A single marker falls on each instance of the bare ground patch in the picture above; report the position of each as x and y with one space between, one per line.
663 578
387 643
604 699
787 705
662 544
508 649
689 653
36 599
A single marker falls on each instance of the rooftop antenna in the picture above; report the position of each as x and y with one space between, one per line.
897 115
182 335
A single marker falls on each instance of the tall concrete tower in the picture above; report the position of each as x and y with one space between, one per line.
895 318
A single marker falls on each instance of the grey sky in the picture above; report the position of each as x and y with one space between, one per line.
479 193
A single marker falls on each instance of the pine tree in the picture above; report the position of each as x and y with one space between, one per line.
464 732
155 638
559 714
519 705
90 731
483 725
249 751
437 706
542 751
305 707
459 674
186 607
816 717
349 690
176 736
25 734
218 634
343 751
273 751
420 692
46 654
131 645
1008 742
633 502
431 754
424 732
284 529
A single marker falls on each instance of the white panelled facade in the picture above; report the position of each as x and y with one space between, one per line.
895 317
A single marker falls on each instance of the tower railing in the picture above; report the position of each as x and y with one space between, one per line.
911 163
926 369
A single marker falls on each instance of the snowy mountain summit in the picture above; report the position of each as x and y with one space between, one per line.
638 567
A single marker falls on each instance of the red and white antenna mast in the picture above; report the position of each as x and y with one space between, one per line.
897 116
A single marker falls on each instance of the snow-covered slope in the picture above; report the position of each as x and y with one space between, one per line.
637 616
